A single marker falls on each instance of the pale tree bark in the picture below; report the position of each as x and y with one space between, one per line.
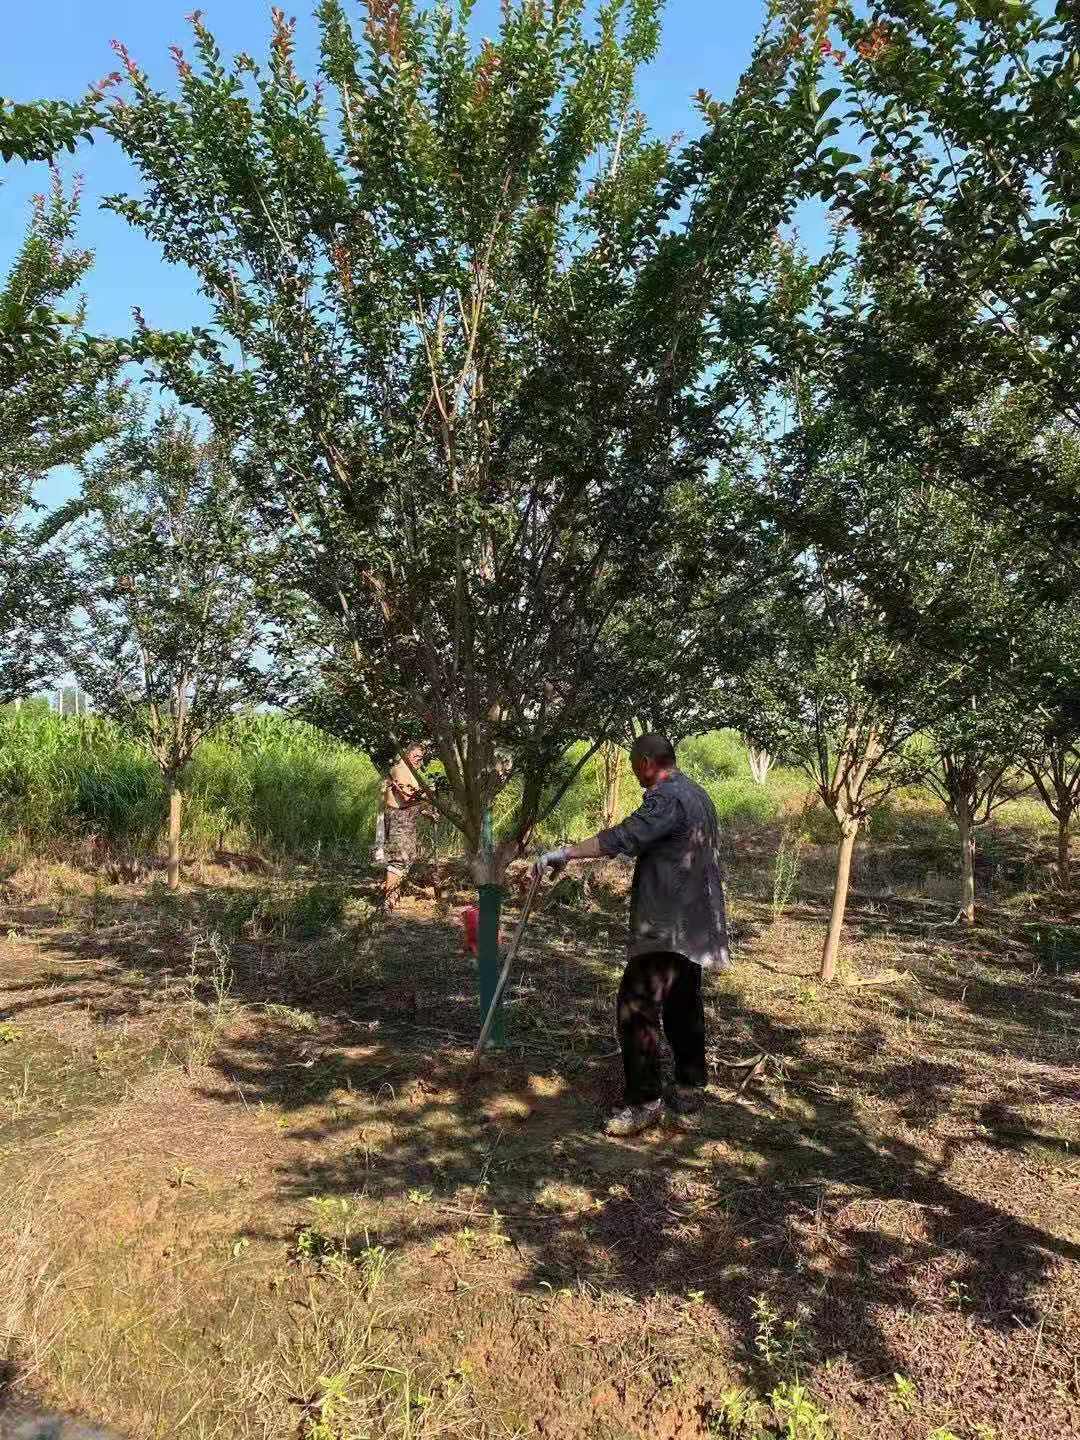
848 833
612 758
175 805
967 860
760 762
1064 829
843 785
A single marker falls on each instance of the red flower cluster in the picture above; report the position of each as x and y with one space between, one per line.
181 64
485 71
384 25
282 42
122 50
828 49
113 78
342 263
875 44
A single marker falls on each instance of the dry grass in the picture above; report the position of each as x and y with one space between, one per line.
286 1205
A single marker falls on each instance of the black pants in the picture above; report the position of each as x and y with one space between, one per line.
656 989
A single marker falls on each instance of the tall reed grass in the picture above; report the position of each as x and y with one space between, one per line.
264 781
274 784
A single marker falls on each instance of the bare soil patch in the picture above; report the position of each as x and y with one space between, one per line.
255 1187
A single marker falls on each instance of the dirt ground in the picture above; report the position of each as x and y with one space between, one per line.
253 1188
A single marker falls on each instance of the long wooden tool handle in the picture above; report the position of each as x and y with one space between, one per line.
511 954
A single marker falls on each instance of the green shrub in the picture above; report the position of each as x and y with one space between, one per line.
717 755
77 775
742 801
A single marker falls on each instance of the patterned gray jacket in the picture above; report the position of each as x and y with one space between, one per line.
677 899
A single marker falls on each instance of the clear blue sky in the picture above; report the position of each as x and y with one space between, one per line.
55 48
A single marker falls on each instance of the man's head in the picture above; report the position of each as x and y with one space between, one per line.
415 756
652 757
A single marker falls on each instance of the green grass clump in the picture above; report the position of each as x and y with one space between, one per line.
276 783
264 781
713 757
75 775
301 915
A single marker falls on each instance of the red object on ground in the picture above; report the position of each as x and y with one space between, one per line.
470 919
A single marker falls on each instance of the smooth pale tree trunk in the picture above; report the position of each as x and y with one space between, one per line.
612 759
848 832
760 763
967 863
175 803
1064 826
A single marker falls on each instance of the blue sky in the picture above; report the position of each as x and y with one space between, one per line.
55 48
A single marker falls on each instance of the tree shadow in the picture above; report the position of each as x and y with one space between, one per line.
829 1191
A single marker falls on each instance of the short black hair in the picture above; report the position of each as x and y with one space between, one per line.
653 747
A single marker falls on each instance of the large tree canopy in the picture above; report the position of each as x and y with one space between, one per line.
967 118
59 396
171 638
471 330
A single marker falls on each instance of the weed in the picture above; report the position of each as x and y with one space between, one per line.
329 1407
289 1016
9 1033
738 1415
800 1417
195 1028
374 1261
807 994
263 914
789 1414
786 871
943 1433
19 1094
958 1293
333 1253
903 1394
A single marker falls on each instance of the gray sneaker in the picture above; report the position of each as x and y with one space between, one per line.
635 1119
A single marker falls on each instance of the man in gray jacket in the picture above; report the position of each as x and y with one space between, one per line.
677 928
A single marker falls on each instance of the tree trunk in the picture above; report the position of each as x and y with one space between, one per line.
612 759
175 801
760 763
1064 825
967 863
849 831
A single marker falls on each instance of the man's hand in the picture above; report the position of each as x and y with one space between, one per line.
552 860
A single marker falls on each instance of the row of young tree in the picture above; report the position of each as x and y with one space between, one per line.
515 424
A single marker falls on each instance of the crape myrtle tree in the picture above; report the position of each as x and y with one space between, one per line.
472 324
171 594
836 688
976 745
966 118
840 698
58 397
1053 762
1052 746
975 619
692 634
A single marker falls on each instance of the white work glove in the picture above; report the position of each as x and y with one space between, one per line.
552 860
